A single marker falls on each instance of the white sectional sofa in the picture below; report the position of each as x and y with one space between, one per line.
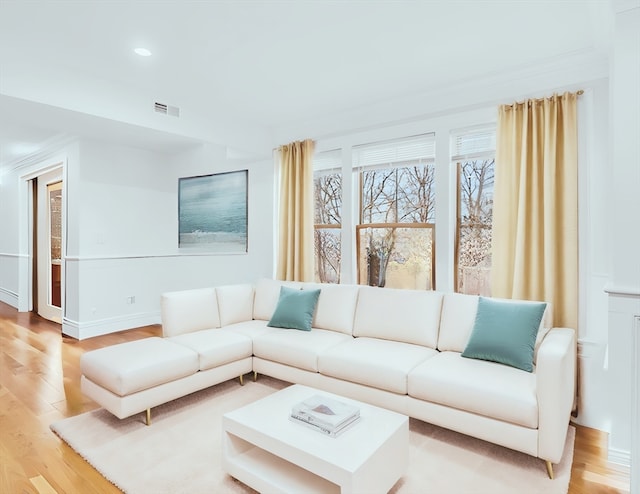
398 349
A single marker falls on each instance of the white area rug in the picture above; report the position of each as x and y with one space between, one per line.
180 452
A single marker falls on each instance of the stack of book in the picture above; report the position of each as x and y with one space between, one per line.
325 414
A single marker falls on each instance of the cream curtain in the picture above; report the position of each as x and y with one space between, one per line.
535 213
295 232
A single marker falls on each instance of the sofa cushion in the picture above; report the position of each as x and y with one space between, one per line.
296 348
295 309
133 366
336 306
235 303
250 328
505 332
409 316
484 388
267 293
216 347
378 363
458 317
189 310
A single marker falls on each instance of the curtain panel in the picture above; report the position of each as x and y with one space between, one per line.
535 213
295 228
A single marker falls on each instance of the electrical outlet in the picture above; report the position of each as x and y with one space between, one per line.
131 300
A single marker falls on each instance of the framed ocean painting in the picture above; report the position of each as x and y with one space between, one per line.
212 212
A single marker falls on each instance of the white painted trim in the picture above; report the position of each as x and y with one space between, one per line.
620 457
5 254
635 411
587 348
49 149
570 72
152 256
624 5
586 145
350 215
84 330
70 328
613 289
9 297
24 283
32 167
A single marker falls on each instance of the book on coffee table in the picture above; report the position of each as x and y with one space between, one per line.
325 413
325 430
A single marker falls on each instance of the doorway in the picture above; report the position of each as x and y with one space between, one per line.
48 278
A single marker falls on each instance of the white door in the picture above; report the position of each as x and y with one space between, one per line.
49 241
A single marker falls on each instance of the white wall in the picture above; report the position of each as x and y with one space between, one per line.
121 210
594 252
123 236
9 255
624 234
15 261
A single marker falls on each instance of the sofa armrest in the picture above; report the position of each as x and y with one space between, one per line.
556 382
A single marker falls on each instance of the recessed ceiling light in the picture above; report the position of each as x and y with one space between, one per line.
143 52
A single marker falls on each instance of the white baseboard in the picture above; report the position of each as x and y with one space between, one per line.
84 330
620 457
9 297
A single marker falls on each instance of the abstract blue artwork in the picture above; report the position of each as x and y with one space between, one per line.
212 211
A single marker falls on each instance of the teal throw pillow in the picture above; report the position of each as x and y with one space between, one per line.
505 332
295 309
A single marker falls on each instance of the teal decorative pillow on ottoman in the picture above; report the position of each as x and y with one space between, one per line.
295 309
505 332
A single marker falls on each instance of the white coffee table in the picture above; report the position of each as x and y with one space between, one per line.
267 451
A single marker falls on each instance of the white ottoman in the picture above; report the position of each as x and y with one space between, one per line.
135 376
111 374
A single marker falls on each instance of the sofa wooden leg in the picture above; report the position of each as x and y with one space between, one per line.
148 419
549 469
255 376
241 380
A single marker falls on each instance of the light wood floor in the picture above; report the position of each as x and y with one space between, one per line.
40 383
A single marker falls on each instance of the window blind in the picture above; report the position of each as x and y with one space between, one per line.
397 152
476 144
328 160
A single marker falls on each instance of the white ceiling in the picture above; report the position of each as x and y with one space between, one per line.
253 71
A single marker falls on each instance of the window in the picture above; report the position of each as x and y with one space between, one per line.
395 235
327 191
474 157
390 215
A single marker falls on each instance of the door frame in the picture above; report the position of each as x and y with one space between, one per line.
26 231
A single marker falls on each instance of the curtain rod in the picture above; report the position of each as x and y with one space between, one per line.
579 92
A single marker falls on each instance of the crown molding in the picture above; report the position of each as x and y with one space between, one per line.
565 72
48 148
620 6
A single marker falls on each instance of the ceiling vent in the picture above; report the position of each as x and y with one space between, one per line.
173 111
